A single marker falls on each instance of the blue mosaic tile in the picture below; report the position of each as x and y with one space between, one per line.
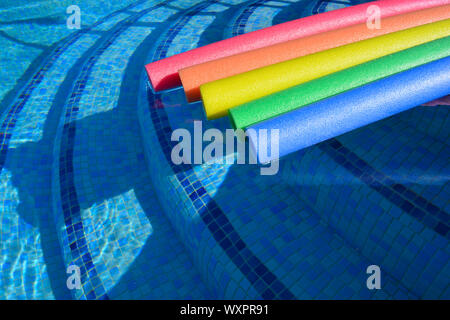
87 154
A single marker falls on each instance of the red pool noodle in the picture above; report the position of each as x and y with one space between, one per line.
163 74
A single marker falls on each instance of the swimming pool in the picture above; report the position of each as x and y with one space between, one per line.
87 179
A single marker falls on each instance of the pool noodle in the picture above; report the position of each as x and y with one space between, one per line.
194 76
299 96
353 109
220 95
163 74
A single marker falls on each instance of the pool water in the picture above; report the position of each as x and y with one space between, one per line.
86 177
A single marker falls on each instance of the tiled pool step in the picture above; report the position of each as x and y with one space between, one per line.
76 123
205 224
32 266
394 214
108 213
265 233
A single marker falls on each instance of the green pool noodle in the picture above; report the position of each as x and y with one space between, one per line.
302 95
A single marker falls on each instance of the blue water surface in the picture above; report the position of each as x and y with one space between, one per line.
87 180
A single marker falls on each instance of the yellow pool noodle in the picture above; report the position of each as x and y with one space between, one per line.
220 95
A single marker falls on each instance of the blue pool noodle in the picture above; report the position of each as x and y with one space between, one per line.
353 109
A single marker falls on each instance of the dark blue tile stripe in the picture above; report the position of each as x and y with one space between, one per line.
398 194
9 123
267 284
70 205
322 5
241 21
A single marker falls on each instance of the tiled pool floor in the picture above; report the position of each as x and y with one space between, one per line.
86 176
